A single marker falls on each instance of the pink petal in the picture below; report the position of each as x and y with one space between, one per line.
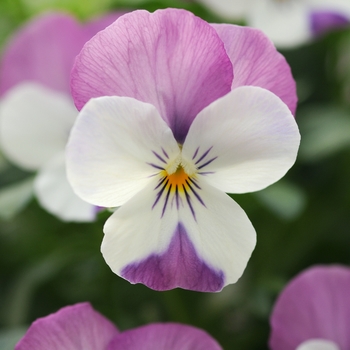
256 62
164 336
168 58
73 327
44 50
314 305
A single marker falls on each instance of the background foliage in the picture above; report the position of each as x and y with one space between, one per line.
303 220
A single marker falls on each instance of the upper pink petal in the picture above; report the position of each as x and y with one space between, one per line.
314 305
73 327
164 336
169 58
44 50
256 62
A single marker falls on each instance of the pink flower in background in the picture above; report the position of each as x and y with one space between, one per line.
185 115
288 23
313 311
80 327
37 111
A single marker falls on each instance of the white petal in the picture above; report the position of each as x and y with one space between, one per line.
56 195
230 9
318 344
200 241
243 142
115 147
340 6
286 23
35 124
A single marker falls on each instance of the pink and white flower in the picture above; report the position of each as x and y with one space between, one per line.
313 311
80 327
185 115
37 111
289 22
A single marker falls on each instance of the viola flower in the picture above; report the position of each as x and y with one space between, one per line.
168 138
80 327
288 23
37 110
313 311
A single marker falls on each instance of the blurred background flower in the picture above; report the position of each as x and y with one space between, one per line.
303 220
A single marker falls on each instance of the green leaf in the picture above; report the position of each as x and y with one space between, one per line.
13 198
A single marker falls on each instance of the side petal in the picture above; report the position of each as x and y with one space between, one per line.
244 141
73 327
324 21
256 62
56 195
199 239
168 58
314 305
164 336
34 124
116 145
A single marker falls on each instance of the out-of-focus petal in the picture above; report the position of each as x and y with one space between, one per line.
34 124
56 195
164 336
230 9
314 305
168 58
249 137
115 147
318 344
74 327
286 23
324 21
256 62
199 240
45 48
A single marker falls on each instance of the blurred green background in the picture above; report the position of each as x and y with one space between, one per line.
303 220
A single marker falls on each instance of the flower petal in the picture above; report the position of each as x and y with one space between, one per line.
324 21
286 23
256 62
314 305
318 344
44 50
229 9
244 141
73 327
199 240
35 124
168 58
116 145
164 336
56 195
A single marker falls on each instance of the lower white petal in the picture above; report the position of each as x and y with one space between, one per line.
318 344
199 240
35 124
55 194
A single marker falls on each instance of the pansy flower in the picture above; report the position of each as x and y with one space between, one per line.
313 311
37 110
174 129
288 23
80 327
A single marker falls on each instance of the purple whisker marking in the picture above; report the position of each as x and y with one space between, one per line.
159 157
161 181
195 153
204 155
177 196
193 181
206 163
206 172
166 154
166 200
159 194
155 166
196 194
188 198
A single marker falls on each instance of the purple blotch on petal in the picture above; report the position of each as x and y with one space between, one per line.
324 21
179 266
